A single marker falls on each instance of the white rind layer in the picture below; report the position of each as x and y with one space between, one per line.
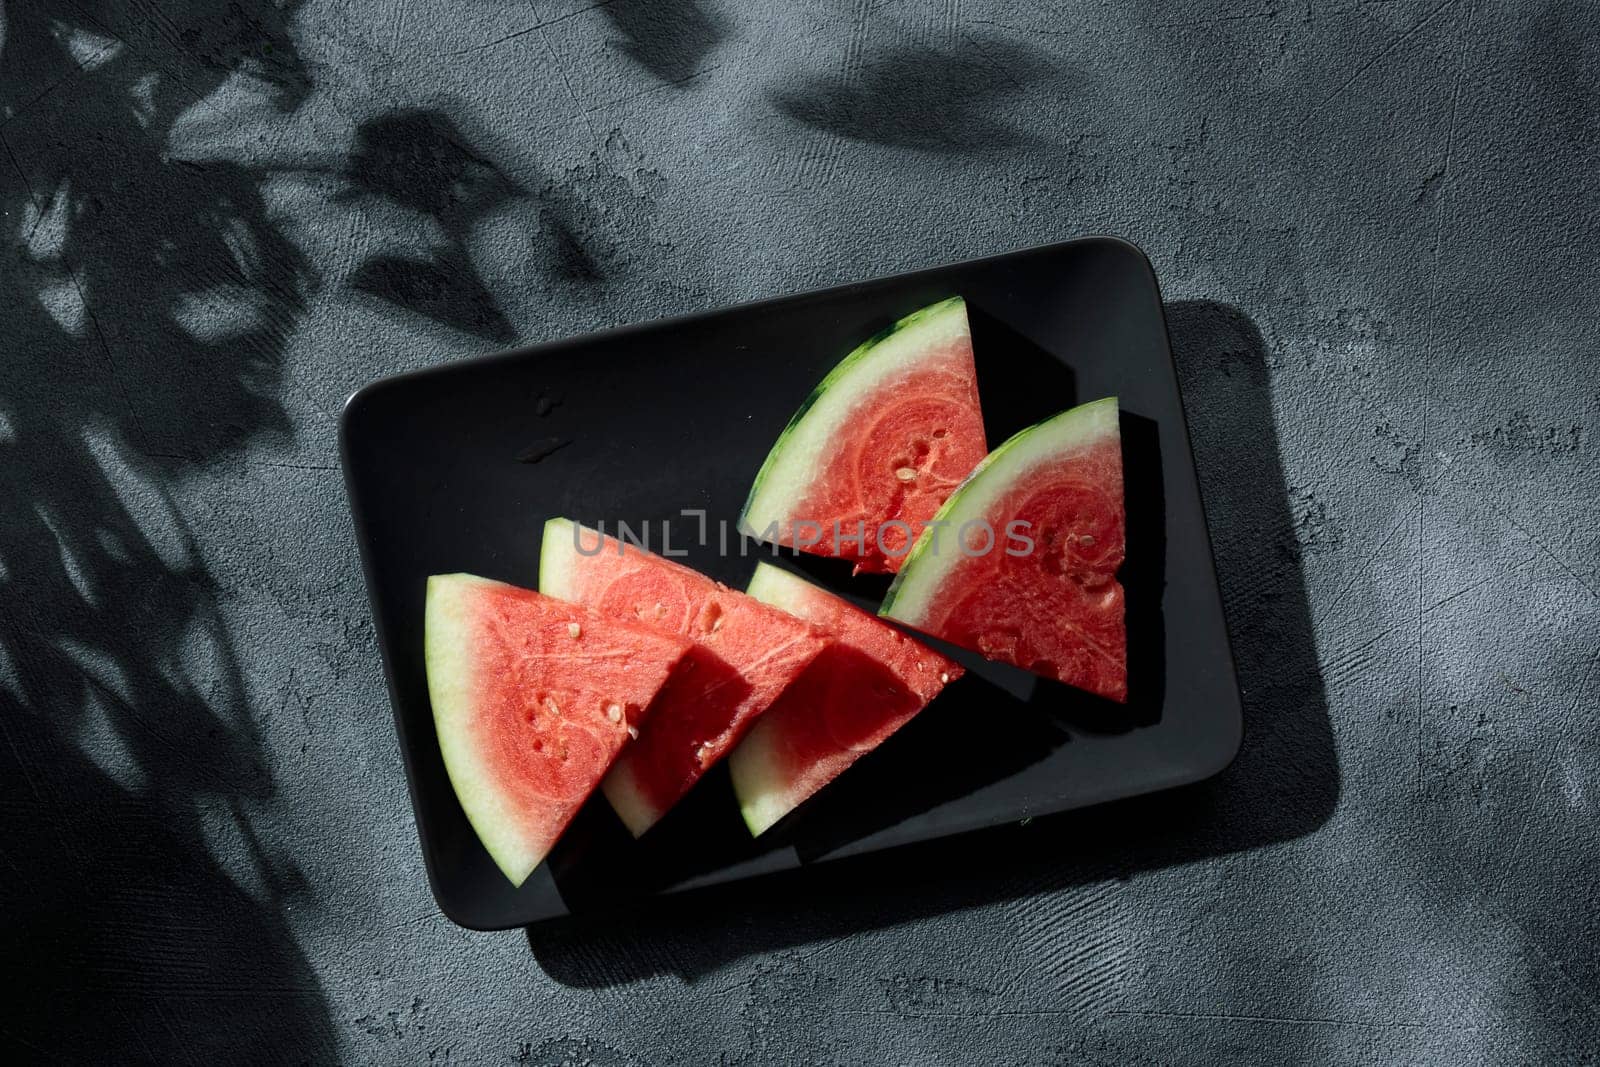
448 652
627 799
764 794
558 552
776 586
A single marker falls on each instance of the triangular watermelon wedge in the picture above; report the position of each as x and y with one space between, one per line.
1043 595
745 654
884 439
532 700
864 687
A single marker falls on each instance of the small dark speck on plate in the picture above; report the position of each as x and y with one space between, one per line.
542 450
545 405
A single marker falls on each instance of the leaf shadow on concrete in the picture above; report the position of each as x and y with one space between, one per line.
668 38
419 160
941 100
148 300
1283 784
422 163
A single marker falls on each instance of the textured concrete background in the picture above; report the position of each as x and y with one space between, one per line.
1375 221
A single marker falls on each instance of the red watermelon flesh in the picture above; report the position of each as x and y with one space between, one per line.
532 699
877 447
1057 610
746 653
904 427
862 688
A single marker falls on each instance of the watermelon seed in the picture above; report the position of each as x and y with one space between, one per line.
614 713
944 677
1087 539
905 474
941 434
633 731
574 629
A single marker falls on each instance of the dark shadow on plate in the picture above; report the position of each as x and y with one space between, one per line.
597 862
148 299
931 99
1019 382
668 38
864 590
1283 784
971 736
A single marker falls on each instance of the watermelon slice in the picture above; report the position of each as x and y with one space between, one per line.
745 654
532 700
1048 600
885 438
863 687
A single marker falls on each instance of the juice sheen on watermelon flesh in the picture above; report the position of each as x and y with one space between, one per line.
886 436
745 654
866 685
1057 610
532 700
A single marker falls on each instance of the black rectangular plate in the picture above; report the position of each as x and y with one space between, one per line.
457 468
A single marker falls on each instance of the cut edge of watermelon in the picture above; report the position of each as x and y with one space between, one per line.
627 799
558 552
558 555
922 574
451 689
760 788
763 792
776 586
791 467
766 793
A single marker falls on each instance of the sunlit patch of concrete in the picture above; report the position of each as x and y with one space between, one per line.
63 301
88 50
219 314
44 232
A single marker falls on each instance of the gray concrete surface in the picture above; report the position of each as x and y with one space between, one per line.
1376 223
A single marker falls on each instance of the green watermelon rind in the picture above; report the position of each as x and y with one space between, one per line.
452 691
791 467
924 571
